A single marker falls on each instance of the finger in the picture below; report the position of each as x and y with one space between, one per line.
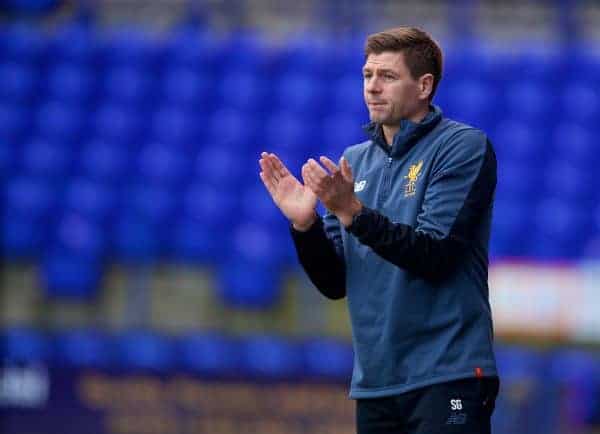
268 170
330 165
346 170
269 167
278 165
317 169
309 180
269 185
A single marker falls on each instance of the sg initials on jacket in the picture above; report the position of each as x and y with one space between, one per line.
414 171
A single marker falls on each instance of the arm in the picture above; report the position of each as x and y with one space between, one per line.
461 189
320 251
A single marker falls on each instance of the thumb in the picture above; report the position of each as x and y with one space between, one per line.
346 170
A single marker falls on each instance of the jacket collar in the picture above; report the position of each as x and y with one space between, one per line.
408 134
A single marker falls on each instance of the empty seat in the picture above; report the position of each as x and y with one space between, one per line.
243 91
188 89
472 102
117 124
328 358
175 128
347 96
220 166
23 345
271 358
162 165
14 122
103 161
209 354
580 102
83 348
75 43
43 158
61 122
128 85
149 203
90 199
69 275
300 94
575 144
18 83
75 235
519 141
136 241
530 102
192 241
248 285
144 350
22 44
71 83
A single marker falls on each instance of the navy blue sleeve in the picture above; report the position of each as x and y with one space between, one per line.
460 190
320 251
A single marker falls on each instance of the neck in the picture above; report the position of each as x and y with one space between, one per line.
389 131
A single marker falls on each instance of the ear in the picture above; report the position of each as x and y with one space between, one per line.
425 86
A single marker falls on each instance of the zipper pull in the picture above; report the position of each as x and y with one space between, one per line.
389 161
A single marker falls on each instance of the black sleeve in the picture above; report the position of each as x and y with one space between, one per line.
321 258
459 192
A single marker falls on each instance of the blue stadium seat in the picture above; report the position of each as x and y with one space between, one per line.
519 141
220 166
104 161
575 144
71 83
248 285
530 102
347 97
128 85
188 89
261 243
192 241
580 102
14 123
271 358
136 241
337 132
75 235
209 354
231 129
18 83
570 182
22 43
130 47
175 128
243 90
23 345
471 102
198 50
59 122
25 196
43 158
511 226
518 180
211 206
554 234
328 359
22 237
83 348
149 203
299 94
68 275
118 124
160 164
144 350
257 206
90 199
75 43
289 130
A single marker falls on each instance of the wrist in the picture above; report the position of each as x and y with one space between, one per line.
347 216
306 225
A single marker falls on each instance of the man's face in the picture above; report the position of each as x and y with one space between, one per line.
390 92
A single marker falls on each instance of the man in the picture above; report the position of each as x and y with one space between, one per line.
405 238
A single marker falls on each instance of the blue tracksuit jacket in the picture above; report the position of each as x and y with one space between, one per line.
414 262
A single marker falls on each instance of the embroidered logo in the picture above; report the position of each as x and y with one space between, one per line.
360 186
414 172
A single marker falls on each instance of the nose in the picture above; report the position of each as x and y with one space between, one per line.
372 85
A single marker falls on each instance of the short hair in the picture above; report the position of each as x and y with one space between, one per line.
421 53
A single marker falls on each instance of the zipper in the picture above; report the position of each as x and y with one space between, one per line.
386 183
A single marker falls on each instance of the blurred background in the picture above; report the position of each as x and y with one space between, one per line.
149 285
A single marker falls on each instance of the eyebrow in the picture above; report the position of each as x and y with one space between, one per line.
381 70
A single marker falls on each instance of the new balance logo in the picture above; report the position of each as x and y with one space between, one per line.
360 186
455 404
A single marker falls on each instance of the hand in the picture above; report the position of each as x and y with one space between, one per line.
296 201
336 191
